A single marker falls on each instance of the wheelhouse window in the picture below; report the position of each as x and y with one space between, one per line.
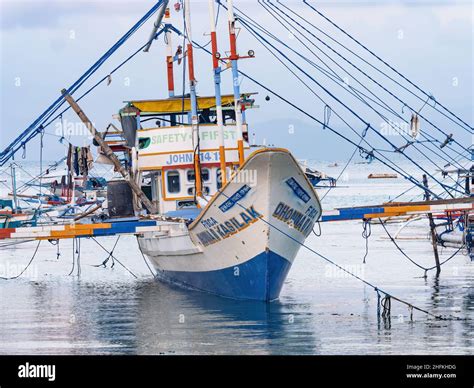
205 190
204 175
219 178
173 181
144 142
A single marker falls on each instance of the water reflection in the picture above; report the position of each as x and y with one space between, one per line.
71 316
176 321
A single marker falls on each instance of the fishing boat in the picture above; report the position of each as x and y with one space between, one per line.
244 211
318 178
210 211
10 217
237 245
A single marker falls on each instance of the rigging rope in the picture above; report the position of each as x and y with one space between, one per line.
356 93
370 154
253 32
33 130
385 63
375 288
110 256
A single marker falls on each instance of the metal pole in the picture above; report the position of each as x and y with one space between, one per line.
234 57
194 109
169 56
169 63
217 83
109 153
434 237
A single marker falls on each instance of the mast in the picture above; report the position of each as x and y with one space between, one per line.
169 57
217 83
192 90
234 57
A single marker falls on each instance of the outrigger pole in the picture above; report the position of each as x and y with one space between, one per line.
194 109
217 83
156 25
109 153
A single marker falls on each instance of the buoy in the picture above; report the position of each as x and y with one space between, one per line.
414 126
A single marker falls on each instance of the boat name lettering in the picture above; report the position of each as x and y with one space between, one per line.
232 201
298 190
216 231
303 223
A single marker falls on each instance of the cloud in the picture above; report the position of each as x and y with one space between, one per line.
34 14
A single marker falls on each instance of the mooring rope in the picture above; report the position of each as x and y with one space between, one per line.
145 260
27 266
73 257
426 269
113 257
110 256
366 233
447 317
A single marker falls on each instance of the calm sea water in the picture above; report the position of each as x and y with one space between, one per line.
321 310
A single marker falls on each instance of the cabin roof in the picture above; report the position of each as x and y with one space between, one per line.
174 105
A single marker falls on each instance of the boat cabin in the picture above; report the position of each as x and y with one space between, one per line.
162 131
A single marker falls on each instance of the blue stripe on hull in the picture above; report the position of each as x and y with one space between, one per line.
260 278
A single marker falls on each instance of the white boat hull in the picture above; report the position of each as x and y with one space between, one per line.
244 242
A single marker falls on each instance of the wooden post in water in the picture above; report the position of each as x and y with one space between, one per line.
109 153
434 237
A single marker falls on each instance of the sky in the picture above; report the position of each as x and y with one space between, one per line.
46 45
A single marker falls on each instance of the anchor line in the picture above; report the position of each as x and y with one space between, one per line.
145 260
27 266
78 260
319 234
426 269
114 258
74 251
110 256
448 317
366 233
